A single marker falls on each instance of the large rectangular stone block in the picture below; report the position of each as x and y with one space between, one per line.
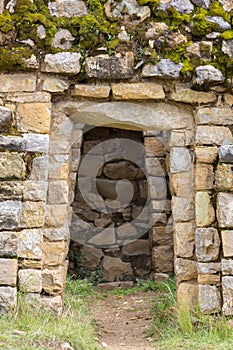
227 243
17 82
54 279
207 244
182 184
33 214
11 190
184 239
212 135
183 209
34 117
205 213
96 91
10 213
225 209
185 269
162 258
54 253
30 280
138 91
224 177
30 244
8 244
206 154
58 192
180 160
204 177
35 190
209 299
8 272
214 115
227 266
12 165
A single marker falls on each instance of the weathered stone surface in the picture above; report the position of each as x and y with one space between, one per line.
227 266
110 67
139 247
8 299
206 154
54 253
227 288
63 39
160 277
226 153
29 244
181 184
58 192
192 96
30 264
209 299
54 84
34 117
115 10
162 258
204 177
225 209
156 116
57 233
103 238
11 190
52 304
208 279
123 170
205 214
187 294
96 91
157 188
185 269
208 74
227 242
5 117
32 214
92 256
207 244
138 91
182 209
182 6
12 143
10 212
67 8
37 143
224 177
127 231
12 165
28 97
180 160
155 166
56 215
8 244
35 190
208 268
214 115
184 239
154 148
161 235
17 82
223 25
165 68
54 279
212 135
202 3
115 269
39 169
8 272
62 62
227 5
30 280
181 138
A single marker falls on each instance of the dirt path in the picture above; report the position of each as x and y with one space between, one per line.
123 321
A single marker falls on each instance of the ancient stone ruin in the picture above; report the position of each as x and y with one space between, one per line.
116 128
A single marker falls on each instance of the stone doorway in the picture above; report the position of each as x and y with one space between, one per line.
127 235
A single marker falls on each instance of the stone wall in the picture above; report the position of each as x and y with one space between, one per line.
163 68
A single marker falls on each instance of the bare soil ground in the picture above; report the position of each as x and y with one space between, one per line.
123 321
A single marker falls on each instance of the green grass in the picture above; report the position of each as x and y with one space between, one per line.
38 330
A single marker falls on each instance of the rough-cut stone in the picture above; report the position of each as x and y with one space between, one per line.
223 25
55 215
63 39
117 9
54 253
161 235
30 280
54 279
37 143
162 258
208 268
10 212
204 178
185 269
39 169
138 91
52 304
154 148
12 165
32 214
227 5
127 231
212 135
227 288
96 91
227 267
29 244
184 239
11 190
103 238
34 117
92 256
207 244
202 3
181 184
182 209
115 269
214 115
227 243
225 209
192 96
123 170
67 8
5 117
58 192
155 166
205 214
156 116
110 67
208 279
206 154
8 244
57 233
35 190
165 68
180 160
209 299
187 294
224 177
54 84
182 6
208 74
8 299
226 153
181 138
62 62
157 188
8 272
139 247
12 143
17 82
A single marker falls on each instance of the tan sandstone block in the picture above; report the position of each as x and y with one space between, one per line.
208 279
137 91
8 272
30 280
227 242
34 117
209 298
56 215
192 96
54 279
154 147
185 269
205 214
29 244
182 184
212 135
33 214
206 154
17 82
184 239
224 177
204 177
95 91
12 165
54 253
187 294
